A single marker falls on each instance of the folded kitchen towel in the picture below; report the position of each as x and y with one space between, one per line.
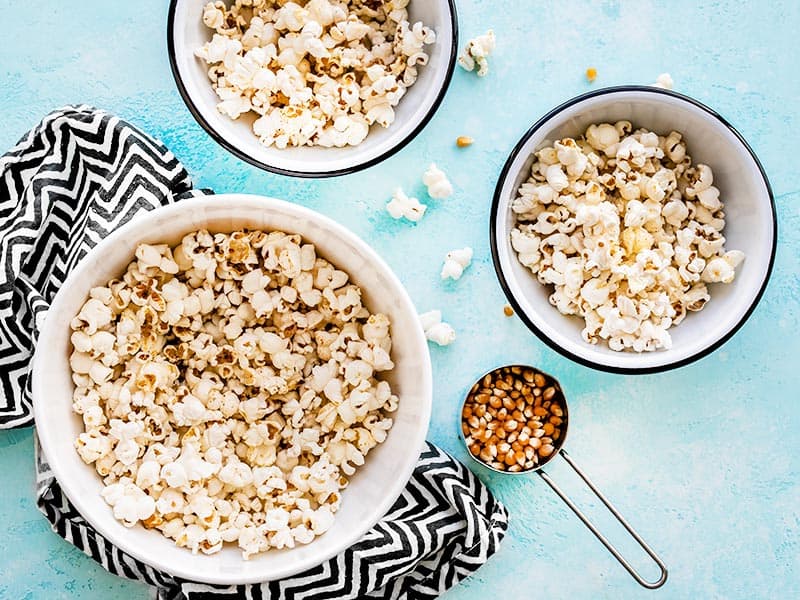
70 181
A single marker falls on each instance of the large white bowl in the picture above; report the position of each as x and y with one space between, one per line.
751 224
373 489
186 32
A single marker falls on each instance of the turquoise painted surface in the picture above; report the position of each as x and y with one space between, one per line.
705 461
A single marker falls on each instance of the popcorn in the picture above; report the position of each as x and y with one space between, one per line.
401 206
346 131
476 53
236 474
321 520
437 183
170 501
721 268
174 475
315 73
92 446
130 504
664 81
213 16
126 452
455 262
228 385
93 315
625 230
435 329
148 474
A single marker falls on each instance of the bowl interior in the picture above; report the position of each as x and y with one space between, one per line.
189 33
372 490
749 224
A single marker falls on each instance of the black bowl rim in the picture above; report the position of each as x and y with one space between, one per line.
493 241
309 174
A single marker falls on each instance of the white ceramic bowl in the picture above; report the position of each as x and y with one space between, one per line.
186 33
751 225
373 489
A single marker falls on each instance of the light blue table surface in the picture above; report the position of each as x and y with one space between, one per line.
703 460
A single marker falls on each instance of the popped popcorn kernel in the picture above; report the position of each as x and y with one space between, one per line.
455 262
476 53
435 329
403 207
664 81
439 186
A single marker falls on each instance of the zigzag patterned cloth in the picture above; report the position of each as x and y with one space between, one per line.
75 177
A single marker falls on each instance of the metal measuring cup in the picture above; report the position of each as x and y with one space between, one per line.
556 447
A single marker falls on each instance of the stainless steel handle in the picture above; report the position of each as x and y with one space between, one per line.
648 584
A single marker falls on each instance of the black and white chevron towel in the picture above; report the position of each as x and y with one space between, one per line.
76 176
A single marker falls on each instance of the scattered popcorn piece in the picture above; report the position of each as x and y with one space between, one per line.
455 262
476 52
436 181
228 387
442 334
435 329
664 81
508 311
625 230
591 74
401 206
463 141
316 73
430 318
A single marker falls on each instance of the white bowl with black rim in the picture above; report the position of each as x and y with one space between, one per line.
186 32
374 487
751 225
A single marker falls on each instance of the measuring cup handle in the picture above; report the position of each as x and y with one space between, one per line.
648 584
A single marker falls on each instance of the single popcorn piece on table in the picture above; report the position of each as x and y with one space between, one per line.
401 206
664 81
229 386
455 262
439 187
316 73
625 230
435 329
476 53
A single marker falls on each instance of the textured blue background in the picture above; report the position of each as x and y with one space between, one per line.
704 460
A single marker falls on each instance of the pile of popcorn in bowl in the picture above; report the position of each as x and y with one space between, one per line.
625 231
229 386
318 73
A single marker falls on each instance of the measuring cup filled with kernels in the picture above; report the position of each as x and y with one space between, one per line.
514 421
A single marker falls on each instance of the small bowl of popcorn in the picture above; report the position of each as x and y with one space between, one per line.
633 229
313 88
232 389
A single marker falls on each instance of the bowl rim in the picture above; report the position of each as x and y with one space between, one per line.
493 239
61 470
190 104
